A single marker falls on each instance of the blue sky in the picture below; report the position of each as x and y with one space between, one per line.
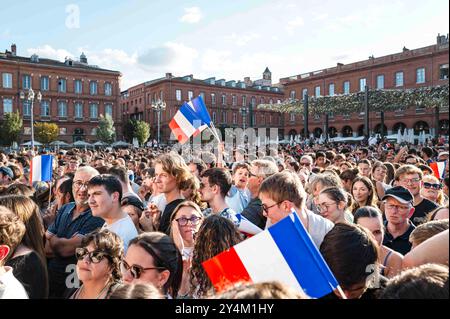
226 39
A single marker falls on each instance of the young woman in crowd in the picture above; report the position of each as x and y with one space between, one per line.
432 190
364 193
215 235
332 204
154 258
390 261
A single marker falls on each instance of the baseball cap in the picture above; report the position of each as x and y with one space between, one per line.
6 171
400 193
132 200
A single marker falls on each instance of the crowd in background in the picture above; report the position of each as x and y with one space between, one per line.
139 223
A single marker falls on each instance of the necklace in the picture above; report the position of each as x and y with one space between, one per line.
98 296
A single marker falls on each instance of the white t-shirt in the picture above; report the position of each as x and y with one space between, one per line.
159 200
125 229
10 287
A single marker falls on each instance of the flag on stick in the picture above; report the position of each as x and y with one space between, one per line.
41 168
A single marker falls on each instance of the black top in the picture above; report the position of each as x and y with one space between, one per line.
371 292
421 211
254 213
400 244
164 223
31 273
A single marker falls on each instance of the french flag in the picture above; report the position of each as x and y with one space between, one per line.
41 168
285 252
246 226
185 123
438 169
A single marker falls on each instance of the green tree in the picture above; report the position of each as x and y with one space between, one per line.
106 131
129 130
11 128
142 131
46 132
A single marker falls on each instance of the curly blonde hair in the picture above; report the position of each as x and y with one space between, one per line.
12 230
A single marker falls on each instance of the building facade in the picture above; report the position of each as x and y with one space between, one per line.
231 104
427 66
74 94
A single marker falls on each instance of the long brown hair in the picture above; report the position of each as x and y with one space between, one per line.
28 212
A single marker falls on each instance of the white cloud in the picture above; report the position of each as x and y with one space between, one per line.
191 15
293 24
242 39
46 51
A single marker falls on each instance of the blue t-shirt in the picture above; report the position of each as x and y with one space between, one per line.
65 227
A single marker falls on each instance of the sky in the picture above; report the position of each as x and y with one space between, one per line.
224 39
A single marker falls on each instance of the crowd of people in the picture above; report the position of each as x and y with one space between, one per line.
139 223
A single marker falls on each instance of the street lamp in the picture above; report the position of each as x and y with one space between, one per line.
159 106
29 96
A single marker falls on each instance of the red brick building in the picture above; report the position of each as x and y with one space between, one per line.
427 66
74 94
230 103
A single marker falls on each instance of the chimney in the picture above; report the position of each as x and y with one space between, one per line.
168 75
13 49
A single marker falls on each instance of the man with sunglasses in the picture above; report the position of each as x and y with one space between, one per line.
410 177
72 223
105 196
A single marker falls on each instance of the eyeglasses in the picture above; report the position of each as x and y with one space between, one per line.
396 207
94 256
266 208
410 181
433 186
135 270
305 164
324 207
250 174
79 184
183 221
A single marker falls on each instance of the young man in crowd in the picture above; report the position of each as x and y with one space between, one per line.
364 167
105 196
410 177
282 192
72 223
214 186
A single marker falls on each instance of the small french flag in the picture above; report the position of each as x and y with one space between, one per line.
285 252
185 123
41 168
438 169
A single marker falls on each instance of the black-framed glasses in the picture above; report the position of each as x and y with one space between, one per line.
305 164
266 208
135 270
94 257
183 221
250 174
432 186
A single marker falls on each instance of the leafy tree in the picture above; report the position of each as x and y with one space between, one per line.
142 131
46 132
106 131
11 128
129 130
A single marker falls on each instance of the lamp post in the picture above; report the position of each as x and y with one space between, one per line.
159 106
29 96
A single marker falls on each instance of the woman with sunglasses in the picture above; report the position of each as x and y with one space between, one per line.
432 190
185 223
153 258
98 266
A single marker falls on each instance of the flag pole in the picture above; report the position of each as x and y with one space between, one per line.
341 292
50 195
213 130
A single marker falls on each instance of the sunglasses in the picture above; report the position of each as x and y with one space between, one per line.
94 256
183 221
433 186
135 270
